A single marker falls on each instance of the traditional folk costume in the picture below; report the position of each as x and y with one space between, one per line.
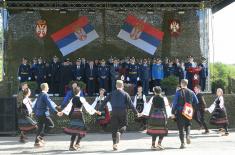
41 108
77 126
158 110
139 102
219 114
120 100
182 97
104 118
25 122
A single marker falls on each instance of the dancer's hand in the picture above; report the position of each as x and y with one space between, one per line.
60 114
139 114
98 112
172 116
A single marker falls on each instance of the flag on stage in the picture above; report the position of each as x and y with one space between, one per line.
74 36
141 34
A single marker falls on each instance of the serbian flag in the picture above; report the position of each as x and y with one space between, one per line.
74 36
141 34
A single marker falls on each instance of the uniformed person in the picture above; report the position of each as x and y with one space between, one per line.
133 72
103 75
24 73
115 70
40 73
145 76
66 76
33 68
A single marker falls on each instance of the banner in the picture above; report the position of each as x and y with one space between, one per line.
141 34
74 36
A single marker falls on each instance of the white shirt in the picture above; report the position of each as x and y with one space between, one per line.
28 104
221 104
147 107
97 99
137 97
85 104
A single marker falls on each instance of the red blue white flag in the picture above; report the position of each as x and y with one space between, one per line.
74 36
141 34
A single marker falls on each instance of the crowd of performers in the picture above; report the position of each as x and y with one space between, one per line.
152 115
102 73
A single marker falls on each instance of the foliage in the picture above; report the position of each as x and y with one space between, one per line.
220 73
218 84
32 85
170 81
169 84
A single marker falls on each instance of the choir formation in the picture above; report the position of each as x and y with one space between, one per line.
102 74
152 115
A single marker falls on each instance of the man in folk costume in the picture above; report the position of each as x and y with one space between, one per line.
120 100
41 110
182 110
199 114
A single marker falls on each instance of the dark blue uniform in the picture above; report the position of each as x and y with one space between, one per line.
103 75
66 76
33 70
180 72
165 69
171 71
78 72
24 73
133 72
203 75
115 74
91 75
145 74
40 73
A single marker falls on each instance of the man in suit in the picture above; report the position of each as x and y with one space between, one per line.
203 74
55 75
91 75
78 71
120 101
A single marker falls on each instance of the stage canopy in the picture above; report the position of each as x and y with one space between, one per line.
163 4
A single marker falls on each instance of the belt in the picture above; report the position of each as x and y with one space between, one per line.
24 73
132 72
